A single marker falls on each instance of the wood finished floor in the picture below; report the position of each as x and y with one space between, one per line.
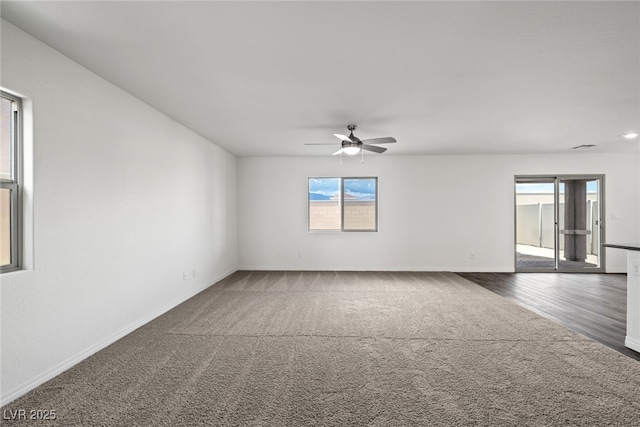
594 305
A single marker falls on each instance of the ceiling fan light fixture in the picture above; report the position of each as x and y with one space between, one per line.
352 150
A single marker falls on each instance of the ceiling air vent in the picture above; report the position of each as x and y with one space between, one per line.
583 146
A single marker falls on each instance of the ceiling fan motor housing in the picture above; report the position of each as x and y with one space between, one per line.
352 143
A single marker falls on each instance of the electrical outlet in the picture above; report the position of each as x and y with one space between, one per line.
184 276
472 255
299 254
635 268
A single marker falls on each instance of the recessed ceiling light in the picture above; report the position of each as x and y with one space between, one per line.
630 135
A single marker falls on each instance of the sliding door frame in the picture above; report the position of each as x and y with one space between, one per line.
556 179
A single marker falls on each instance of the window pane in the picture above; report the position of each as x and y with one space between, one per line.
360 204
535 224
6 142
5 226
324 204
578 223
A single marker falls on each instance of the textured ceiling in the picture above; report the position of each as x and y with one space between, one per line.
264 78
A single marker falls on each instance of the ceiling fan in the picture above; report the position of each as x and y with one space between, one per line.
353 145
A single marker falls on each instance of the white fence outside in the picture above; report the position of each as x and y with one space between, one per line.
535 225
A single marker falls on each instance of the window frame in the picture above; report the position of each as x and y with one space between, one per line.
15 186
341 202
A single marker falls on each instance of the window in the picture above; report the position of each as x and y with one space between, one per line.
343 204
10 182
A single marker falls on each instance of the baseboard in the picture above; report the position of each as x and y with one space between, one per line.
24 388
632 343
399 269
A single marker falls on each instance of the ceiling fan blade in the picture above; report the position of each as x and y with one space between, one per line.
383 140
342 137
373 148
337 152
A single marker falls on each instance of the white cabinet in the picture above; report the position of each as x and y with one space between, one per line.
632 339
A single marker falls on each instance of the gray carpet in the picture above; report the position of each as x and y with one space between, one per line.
346 349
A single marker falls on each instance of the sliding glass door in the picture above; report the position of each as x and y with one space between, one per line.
558 223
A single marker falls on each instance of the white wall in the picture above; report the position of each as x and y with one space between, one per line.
433 211
125 200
